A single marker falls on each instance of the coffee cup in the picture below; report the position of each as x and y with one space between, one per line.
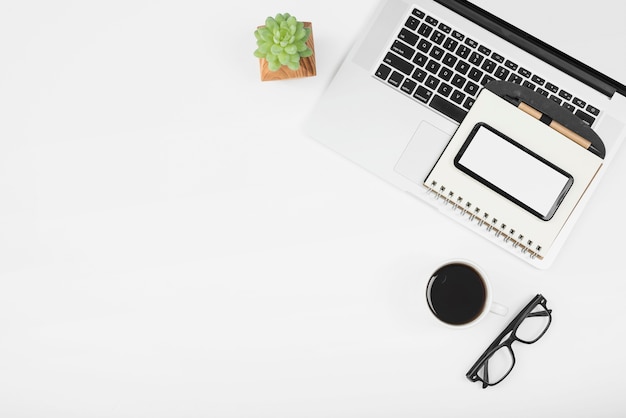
459 294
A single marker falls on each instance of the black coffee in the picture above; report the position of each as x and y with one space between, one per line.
456 293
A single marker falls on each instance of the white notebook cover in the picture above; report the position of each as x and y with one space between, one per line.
492 214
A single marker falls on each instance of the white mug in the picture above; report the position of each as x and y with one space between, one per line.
459 294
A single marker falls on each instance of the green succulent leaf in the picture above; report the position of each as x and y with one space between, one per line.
265 34
271 24
263 49
273 66
283 58
300 46
294 65
276 49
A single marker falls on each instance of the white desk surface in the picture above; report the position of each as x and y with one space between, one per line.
172 244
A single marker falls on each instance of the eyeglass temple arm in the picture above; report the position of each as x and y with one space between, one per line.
540 313
486 374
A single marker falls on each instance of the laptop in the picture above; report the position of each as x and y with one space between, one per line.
414 73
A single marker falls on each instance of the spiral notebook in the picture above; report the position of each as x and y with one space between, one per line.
512 177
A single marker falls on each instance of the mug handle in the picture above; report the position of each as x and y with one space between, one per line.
498 309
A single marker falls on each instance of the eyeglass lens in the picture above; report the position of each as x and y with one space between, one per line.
498 365
534 325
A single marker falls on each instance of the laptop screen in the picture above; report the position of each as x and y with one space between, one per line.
585 33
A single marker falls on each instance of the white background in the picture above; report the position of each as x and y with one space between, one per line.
172 244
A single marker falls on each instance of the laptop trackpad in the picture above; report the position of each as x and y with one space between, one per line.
422 152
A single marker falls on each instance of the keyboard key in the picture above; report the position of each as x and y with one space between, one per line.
437 37
551 87
458 36
497 58
418 13
436 52
433 66
469 102
408 86
402 49
420 59
450 44
543 92
529 85
463 51
585 117
501 72
431 20
475 58
383 71
488 66
484 50
472 43
398 63
444 28
462 67
510 65
419 74
475 74
458 80
412 23
580 103
432 82
486 79
449 60
514 78
425 30
452 111
422 94
408 37
423 45
395 79
569 107
538 80
524 72
457 97
444 89
593 110
565 95
445 73
471 88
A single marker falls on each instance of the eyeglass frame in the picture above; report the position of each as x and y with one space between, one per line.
511 329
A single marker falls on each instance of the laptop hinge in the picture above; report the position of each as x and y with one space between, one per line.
536 47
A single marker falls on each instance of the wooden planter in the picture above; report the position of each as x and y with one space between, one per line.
307 65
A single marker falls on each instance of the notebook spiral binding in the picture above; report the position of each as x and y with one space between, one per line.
482 218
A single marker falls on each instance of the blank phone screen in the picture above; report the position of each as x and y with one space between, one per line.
513 171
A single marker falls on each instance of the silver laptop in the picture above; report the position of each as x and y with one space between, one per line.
415 71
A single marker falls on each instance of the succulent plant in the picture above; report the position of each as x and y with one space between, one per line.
282 41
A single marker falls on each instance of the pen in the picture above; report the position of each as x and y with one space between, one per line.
568 133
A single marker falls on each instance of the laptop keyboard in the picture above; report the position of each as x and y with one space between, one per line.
439 66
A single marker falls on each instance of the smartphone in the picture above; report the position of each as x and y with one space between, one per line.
513 171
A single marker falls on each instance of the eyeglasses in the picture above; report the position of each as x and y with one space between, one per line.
498 359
